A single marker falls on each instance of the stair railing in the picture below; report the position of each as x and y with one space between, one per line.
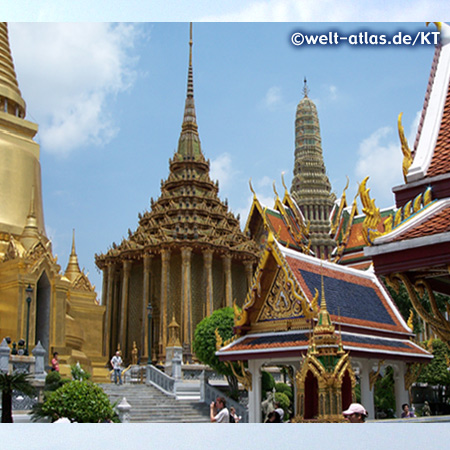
161 380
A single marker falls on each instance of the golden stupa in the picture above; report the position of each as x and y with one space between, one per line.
62 311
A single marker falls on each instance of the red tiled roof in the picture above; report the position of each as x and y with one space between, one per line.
280 228
440 162
439 223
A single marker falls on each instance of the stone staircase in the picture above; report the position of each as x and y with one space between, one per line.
149 405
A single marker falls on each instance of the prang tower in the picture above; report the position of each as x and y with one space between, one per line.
311 188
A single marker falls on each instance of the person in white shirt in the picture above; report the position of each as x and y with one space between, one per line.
279 410
116 363
218 411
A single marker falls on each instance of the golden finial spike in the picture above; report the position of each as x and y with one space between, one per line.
282 182
190 44
251 187
73 242
305 88
275 190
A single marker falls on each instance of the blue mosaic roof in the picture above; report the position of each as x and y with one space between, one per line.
349 299
279 338
373 341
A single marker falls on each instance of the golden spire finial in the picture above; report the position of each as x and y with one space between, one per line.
305 88
275 190
73 268
251 187
9 87
190 44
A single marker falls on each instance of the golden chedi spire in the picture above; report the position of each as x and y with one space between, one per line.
189 142
73 268
20 170
11 98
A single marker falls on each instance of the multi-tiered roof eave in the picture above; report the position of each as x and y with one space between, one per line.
188 210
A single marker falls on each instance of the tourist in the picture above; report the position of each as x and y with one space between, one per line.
273 417
116 363
356 413
218 411
406 412
279 410
234 418
55 362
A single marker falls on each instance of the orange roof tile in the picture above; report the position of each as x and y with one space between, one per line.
439 223
440 162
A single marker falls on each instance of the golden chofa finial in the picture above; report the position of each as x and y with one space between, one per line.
251 187
282 182
305 88
407 156
275 191
438 25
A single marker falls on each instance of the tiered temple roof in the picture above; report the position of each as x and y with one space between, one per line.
188 209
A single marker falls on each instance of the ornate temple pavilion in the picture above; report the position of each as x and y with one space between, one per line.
414 247
187 257
274 327
38 302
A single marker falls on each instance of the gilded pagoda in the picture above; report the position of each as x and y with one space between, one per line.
38 303
187 257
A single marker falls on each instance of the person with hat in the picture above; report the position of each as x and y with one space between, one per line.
356 413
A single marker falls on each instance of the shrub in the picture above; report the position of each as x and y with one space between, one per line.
285 389
284 402
78 400
267 382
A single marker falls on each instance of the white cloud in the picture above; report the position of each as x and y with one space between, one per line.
332 92
67 73
273 97
380 157
221 169
329 11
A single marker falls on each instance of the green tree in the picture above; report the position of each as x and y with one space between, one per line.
204 343
284 388
267 382
80 401
9 383
436 373
384 396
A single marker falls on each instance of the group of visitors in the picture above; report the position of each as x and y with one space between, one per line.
219 413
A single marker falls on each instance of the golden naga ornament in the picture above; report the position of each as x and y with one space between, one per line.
407 156
373 216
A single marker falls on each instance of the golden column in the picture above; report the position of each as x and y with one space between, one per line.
165 266
186 296
146 300
109 301
207 260
248 265
124 308
228 280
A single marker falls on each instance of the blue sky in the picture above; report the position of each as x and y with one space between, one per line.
109 101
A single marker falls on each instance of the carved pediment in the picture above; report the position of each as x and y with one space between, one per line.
280 303
82 283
